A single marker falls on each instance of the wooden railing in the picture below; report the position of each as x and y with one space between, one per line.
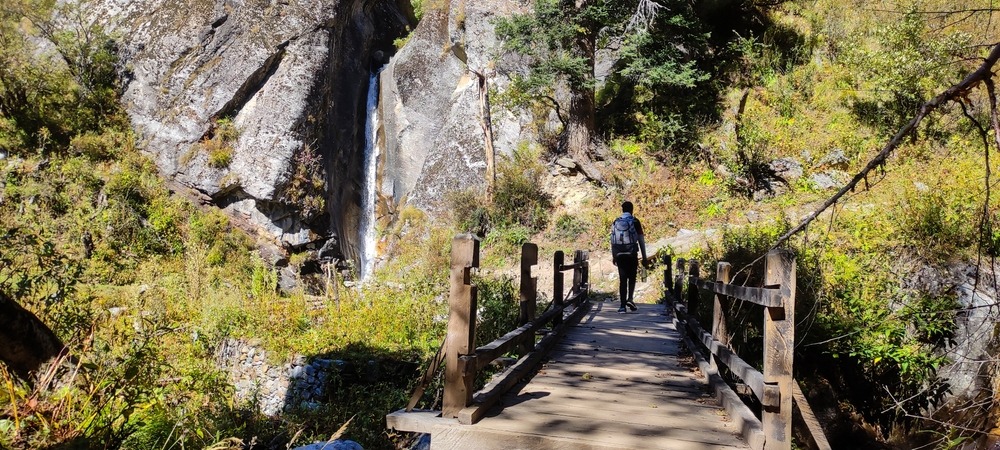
463 360
774 386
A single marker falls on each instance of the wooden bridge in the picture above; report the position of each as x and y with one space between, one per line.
587 377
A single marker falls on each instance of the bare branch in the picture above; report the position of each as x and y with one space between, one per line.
957 91
644 15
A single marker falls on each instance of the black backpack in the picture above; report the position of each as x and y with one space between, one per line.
624 237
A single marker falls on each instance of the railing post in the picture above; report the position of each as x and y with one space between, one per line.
461 325
668 276
779 347
577 272
529 291
693 294
557 284
719 308
678 282
586 271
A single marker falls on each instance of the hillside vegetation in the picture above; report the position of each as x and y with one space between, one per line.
143 285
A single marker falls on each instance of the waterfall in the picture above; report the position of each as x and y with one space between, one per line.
367 250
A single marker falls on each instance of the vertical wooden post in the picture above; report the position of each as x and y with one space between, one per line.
577 272
557 284
693 294
586 271
668 277
719 308
779 347
461 325
529 291
678 283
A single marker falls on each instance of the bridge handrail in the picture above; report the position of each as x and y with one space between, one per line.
463 362
486 354
775 387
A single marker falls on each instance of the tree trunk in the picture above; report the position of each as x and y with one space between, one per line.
580 123
27 342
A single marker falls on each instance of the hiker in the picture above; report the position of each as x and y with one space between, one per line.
626 243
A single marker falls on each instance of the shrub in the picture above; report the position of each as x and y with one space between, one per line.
470 212
518 198
568 227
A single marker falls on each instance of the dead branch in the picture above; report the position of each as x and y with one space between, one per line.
984 72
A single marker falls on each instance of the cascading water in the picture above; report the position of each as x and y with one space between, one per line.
367 250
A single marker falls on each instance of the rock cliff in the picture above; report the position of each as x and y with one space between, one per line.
435 106
290 77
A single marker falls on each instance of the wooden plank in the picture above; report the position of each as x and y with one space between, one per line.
465 438
812 423
750 427
489 395
418 421
756 295
673 432
639 404
484 355
687 394
751 376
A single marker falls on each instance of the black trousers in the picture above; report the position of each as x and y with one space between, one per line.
628 267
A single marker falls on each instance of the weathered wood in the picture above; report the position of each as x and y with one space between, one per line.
758 295
528 289
764 296
557 283
461 335
668 274
486 354
679 280
720 306
740 368
620 392
426 379
578 265
779 347
418 421
812 422
749 425
488 396
585 270
693 294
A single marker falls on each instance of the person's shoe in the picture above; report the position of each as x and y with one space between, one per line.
621 310
631 306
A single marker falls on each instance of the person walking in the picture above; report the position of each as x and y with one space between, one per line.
627 242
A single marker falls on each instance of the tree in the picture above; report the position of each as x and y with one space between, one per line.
658 42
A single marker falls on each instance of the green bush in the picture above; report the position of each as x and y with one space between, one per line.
518 198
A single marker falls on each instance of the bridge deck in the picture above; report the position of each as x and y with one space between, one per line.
616 381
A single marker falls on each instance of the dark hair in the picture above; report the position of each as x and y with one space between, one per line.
627 207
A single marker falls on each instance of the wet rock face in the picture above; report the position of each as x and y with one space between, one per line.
290 76
432 109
